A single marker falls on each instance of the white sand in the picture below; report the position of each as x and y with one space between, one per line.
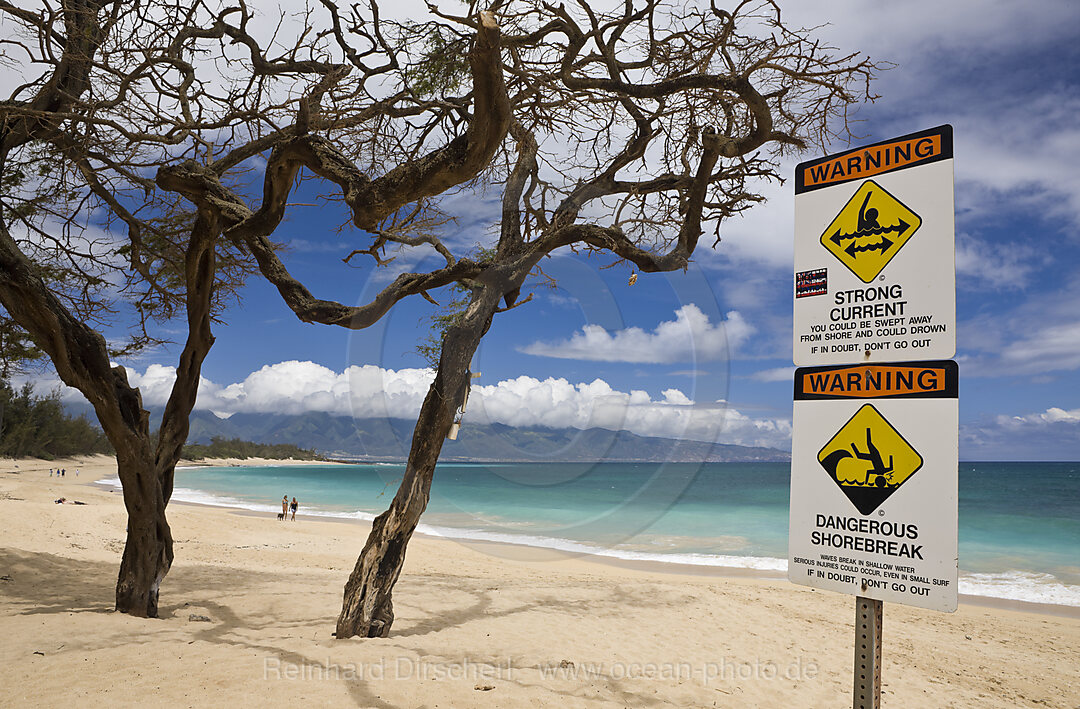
569 633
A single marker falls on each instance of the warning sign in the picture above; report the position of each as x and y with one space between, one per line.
885 213
871 228
855 459
874 482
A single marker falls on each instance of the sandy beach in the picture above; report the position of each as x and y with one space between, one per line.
248 610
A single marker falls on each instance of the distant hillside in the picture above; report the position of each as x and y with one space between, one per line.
235 448
388 439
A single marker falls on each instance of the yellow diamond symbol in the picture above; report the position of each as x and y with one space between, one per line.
871 228
869 459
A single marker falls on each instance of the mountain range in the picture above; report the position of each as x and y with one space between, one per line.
389 439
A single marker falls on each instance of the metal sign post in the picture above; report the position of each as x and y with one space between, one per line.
867 690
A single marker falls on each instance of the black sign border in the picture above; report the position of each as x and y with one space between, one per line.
952 381
945 131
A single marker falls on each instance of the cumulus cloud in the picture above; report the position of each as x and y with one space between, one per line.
556 403
689 337
368 391
296 387
1050 416
1053 434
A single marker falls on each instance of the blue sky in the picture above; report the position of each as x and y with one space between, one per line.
707 354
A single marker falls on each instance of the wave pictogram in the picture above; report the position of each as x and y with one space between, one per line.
869 459
881 246
868 226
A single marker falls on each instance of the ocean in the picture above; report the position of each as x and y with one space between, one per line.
1019 522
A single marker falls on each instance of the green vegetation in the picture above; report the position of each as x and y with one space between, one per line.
444 61
450 313
16 348
36 426
430 348
236 448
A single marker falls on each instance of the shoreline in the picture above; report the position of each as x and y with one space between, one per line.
754 568
248 608
674 568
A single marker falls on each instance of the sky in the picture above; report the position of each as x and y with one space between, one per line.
707 354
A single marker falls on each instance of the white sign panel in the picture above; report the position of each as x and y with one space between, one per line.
874 482
874 253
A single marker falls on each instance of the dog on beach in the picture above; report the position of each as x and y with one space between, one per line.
280 516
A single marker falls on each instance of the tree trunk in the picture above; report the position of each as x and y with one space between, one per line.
148 551
146 471
81 358
367 609
79 353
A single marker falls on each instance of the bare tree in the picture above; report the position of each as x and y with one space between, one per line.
187 96
64 156
631 131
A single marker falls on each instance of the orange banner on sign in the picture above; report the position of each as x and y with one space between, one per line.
873 160
872 381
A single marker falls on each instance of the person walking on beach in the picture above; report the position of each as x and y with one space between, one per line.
284 507
293 506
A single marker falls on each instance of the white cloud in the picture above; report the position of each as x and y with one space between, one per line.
693 373
1054 414
761 236
1040 336
309 246
971 67
689 337
155 383
1036 172
1050 416
893 29
295 387
1048 348
778 374
995 266
556 403
1053 434
368 391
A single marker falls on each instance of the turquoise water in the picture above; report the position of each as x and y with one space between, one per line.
1019 522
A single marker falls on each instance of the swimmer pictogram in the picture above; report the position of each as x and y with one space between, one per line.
855 458
870 230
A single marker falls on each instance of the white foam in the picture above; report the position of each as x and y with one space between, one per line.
1021 586
198 497
183 494
1032 587
358 514
762 563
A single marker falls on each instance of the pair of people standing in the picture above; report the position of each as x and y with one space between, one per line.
286 506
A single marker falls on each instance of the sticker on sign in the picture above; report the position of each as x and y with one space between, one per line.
874 253
874 482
